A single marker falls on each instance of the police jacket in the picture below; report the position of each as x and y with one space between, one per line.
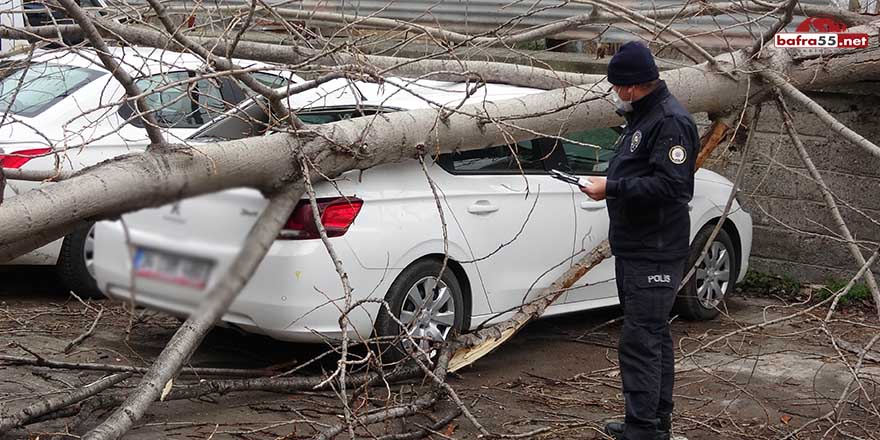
651 180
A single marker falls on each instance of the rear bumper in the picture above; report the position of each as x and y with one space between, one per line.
294 295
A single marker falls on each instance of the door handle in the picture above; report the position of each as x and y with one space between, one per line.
482 207
592 205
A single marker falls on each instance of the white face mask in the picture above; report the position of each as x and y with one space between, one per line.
624 106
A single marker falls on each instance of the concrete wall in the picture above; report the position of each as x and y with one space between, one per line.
794 230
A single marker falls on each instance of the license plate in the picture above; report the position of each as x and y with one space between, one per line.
172 268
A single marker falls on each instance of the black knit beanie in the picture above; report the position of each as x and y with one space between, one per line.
632 64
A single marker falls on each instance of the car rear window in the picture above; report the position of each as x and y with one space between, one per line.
32 89
190 103
334 115
181 99
267 79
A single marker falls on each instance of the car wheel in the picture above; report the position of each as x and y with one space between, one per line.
76 262
429 308
714 278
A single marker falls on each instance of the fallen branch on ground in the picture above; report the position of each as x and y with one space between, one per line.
79 339
88 366
50 404
191 333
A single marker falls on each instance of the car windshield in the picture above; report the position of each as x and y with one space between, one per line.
32 89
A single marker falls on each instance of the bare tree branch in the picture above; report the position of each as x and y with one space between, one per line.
46 406
35 175
187 339
793 93
224 64
829 200
788 11
88 366
91 32
478 344
595 17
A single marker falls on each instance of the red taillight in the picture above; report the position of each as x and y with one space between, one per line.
21 157
337 214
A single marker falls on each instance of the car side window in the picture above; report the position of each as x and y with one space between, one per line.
254 121
327 116
588 152
503 159
189 104
267 79
271 80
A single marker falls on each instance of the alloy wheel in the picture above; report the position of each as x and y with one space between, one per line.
713 276
427 313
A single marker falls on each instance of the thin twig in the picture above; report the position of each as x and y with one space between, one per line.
85 335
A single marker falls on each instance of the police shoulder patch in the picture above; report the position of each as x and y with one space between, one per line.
636 139
677 154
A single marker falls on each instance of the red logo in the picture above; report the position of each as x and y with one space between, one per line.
821 24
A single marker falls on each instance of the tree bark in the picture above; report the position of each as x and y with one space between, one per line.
475 345
45 406
89 366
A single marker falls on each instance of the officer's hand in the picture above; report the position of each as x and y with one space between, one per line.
596 189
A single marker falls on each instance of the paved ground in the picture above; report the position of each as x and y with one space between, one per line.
558 375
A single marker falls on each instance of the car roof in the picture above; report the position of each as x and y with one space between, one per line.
404 94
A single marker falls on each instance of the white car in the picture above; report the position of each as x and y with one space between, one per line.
509 236
67 107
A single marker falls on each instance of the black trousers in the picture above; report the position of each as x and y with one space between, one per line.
647 362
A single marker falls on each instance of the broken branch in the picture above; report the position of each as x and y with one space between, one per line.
217 300
48 405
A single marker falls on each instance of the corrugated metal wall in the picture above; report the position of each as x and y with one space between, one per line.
478 16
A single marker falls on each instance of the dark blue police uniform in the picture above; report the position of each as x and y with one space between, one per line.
649 184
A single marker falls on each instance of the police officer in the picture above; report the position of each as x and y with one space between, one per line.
648 186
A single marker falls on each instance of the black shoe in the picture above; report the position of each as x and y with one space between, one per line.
664 424
615 430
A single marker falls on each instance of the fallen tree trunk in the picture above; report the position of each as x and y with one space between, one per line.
155 178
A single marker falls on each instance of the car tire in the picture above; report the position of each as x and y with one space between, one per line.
75 262
408 289
714 279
